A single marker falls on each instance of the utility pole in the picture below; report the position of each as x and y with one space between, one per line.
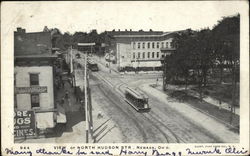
71 60
86 98
86 95
164 74
109 61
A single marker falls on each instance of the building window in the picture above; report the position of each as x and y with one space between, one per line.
143 55
162 44
157 55
166 44
148 45
133 45
153 54
143 45
148 54
171 45
35 100
34 79
15 101
14 80
139 55
162 55
153 45
133 55
157 45
139 45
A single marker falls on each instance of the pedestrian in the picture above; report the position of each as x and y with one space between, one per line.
81 104
220 105
66 95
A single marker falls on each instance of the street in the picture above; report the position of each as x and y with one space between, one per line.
115 121
162 124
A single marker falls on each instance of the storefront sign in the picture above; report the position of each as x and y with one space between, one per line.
32 89
24 124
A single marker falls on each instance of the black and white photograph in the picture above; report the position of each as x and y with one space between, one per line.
95 72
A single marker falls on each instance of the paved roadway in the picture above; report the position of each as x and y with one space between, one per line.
161 125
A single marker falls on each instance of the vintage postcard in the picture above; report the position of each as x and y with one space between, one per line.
143 78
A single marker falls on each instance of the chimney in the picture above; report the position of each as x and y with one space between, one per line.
130 29
150 30
126 30
19 29
118 29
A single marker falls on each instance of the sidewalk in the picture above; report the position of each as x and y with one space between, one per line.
208 99
209 105
104 128
73 131
203 119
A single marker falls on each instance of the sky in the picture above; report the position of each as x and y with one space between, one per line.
85 16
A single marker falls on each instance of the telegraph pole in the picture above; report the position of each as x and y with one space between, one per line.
86 97
109 62
164 74
71 60
86 89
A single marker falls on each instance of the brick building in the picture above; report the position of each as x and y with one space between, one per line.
143 50
34 76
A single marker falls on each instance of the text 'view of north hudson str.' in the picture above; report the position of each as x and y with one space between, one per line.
128 86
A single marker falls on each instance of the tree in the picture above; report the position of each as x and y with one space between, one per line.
226 43
181 60
227 36
67 40
193 53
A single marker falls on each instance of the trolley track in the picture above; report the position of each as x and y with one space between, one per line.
160 123
166 132
178 139
128 116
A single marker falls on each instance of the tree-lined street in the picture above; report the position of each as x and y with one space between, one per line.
185 94
164 123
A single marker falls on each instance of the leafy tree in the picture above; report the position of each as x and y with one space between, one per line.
181 60
226 43
226 35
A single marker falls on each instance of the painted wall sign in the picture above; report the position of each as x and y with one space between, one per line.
32 89
24 124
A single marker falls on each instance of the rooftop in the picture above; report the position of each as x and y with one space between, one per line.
33 43
130 32
140 33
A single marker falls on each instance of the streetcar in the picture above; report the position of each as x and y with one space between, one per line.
137 99
92 65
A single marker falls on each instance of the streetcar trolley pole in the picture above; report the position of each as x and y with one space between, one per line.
82 45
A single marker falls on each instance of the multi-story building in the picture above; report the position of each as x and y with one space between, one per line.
140 49
34 76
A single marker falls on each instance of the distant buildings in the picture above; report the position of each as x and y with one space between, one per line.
34 76
142 50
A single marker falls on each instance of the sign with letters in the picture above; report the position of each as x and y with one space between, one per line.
85 47
32 89
24 124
